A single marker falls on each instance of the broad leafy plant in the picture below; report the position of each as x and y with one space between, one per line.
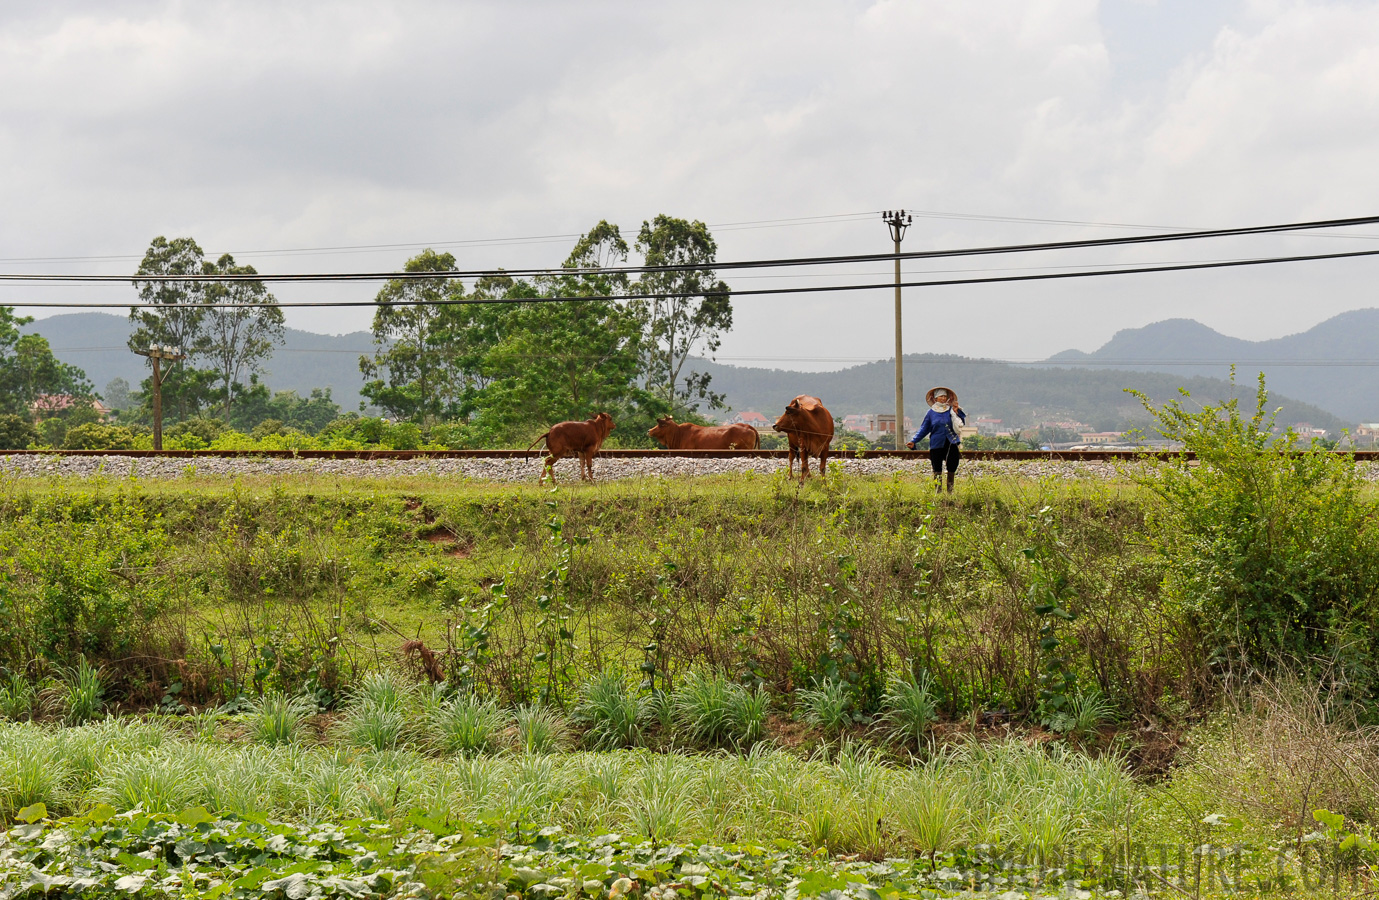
1272 549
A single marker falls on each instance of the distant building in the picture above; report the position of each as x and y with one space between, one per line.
1306 431
50 404
874 425
749 417
1366 434
1102 437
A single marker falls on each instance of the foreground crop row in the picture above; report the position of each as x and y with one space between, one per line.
1009 794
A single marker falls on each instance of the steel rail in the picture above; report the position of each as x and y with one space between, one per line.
534 455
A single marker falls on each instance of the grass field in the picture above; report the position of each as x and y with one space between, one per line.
781 685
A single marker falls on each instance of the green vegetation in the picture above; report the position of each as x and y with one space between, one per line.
29 373
853 668
1275 555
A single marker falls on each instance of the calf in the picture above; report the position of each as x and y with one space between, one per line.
582 439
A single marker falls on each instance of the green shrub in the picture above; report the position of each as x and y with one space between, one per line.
16 432
403 436
267 428
1272 553
204 429
370 429
52 432
93 436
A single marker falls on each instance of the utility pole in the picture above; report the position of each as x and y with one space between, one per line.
898 220
157 353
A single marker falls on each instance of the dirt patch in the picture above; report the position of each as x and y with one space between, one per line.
452 545
1153 752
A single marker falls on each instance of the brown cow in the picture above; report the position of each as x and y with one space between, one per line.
810 429
582 439
684 436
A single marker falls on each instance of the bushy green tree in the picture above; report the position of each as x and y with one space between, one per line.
1274 554
29 370
243 324
560 360
116 394
174 316
16 432
412 371
690 310
307 414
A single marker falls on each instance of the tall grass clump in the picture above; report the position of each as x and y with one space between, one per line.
541 729
714 712
931 811
80 695
1272 554
465 725
828 706
380 712
1084 713
32 770
663 804
276 718
17 698
908 708
165 780
610 711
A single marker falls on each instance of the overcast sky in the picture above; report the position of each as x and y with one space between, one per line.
269 127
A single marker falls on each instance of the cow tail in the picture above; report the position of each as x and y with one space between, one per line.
756 440
534 443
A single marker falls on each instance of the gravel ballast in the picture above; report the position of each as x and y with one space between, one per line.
505 470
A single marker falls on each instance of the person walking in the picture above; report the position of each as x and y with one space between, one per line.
941 424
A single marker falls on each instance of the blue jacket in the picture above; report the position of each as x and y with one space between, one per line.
936 426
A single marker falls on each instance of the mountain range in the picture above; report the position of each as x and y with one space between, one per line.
1334 364
96 343
1020 396
1326 367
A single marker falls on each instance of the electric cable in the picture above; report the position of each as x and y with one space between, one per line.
716 266
811 289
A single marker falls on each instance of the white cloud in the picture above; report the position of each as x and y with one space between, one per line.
262 125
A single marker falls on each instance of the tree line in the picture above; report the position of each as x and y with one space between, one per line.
491 357
505 363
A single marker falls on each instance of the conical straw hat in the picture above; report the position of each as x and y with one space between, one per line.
952 395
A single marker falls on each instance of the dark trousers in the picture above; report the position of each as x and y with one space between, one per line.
939 455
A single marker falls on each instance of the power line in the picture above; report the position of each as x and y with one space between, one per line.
813 289
743 264
470 242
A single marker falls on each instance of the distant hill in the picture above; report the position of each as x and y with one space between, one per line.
97 343
1018 395
1334 365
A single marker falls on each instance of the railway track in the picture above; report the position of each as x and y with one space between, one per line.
1008 455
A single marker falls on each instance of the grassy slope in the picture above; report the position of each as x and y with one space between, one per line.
257 582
